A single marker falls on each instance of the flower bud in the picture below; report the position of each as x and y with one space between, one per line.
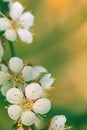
58 122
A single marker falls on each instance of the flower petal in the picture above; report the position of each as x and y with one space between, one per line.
39 123
46 81
16 10
4 78
4 68
15 64
14 96
26 20
38 70
28 118
57 122
14 112
42 106
4 89
4 24
11 35
33 91
25 35
28 73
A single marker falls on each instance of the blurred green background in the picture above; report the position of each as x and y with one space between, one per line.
60 45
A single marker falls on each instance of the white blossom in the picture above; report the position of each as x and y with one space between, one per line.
58 122
19 24
46 81
26 106
19 76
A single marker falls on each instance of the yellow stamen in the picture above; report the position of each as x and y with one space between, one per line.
19 124
68 127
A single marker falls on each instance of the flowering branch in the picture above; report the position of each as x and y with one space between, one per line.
24 87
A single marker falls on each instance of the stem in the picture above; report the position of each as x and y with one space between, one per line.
0 5
12 49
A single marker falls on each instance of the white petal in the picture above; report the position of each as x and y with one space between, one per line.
46 81
16 10
4 67
4 24
10 34
4 78
26 20
57 122
42 106
15 64
14 96
39 124
14 112
28 118
38 70
4 89
33 91
28 73
25 35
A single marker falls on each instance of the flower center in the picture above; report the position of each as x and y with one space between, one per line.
26 105
17 80
14 24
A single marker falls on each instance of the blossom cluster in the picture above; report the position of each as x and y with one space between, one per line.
24 86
